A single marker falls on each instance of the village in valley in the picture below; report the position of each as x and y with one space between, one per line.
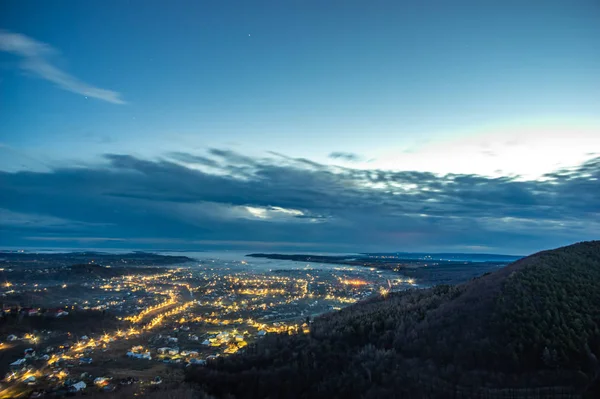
89 322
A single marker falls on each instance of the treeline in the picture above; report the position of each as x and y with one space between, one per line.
81 321
528 330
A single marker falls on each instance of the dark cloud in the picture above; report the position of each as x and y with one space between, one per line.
345 156
294 202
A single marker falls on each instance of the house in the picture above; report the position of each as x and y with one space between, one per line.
109 388
261 333
199 362
29 380
157 380
18 363
164 350
57 313
127 381
206 342
85 360
101 381
77 386
194 337
173 351
11 338
146 356
172 339
30 312
223 336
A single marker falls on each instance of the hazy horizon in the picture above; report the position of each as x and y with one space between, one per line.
225 250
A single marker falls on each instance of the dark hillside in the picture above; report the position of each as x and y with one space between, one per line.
76 272
530 329
98 271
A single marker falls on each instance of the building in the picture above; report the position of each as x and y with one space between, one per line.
165 350
77 386
145 356
57 313
30 312
18 363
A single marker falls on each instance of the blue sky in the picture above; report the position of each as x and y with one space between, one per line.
191 91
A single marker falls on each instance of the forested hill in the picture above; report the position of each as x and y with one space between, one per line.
529 330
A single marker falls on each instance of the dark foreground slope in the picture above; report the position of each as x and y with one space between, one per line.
530 329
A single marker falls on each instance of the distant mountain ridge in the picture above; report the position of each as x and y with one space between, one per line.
528 330
457 256
426 269
401 255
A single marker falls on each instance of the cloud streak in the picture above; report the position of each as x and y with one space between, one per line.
345 156
34 59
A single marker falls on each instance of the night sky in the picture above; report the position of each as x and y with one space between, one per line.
467 126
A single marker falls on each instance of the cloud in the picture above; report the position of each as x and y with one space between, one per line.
225 244
237 198
34 59
14 159
345 156
37 221
194 159
76 239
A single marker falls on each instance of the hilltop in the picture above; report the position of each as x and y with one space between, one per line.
530 329
34 260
